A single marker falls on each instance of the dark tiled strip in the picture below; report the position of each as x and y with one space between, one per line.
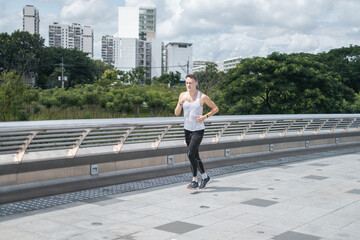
290 235
259 202
178 227
355 191
316 177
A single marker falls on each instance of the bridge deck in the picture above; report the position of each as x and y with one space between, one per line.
307 197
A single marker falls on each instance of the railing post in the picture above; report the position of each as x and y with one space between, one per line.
157 142
349 125
321 126
221 132
300 132
263 135
282 134
72 152
18 158
119 145
243 134
335 126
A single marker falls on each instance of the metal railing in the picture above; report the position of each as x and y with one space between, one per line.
20 138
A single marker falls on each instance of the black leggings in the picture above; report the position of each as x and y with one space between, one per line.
193 140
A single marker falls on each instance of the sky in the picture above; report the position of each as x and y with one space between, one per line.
218 29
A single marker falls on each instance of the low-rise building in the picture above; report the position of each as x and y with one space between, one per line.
231 63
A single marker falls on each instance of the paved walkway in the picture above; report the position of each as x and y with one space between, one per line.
308 200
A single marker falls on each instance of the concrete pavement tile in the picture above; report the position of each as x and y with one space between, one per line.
175 204
352 227
217 231
252 218
317 229
259 232
92 223
150 221
203 219
283 208
124 216
128 204
122 229
201 208
70 218
336 222
315 200
282 224
39 226
345 235
92 235
227 212
13 220
306 214
153 234
149 210
13 233
99 211
175 214
50 229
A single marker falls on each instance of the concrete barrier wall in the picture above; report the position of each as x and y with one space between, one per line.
51 170
120 164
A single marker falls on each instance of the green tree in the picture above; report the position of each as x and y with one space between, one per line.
78 68
155 101
168 78
346 62
11 96
137 75
136 98
210 78
282 83
21 52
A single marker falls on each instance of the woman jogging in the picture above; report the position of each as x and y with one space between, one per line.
192 101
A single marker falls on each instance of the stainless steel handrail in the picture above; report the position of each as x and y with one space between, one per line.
19 138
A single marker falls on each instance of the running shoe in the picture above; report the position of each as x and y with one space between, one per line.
204 182
193 185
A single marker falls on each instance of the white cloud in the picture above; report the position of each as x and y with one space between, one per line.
217 28
89 12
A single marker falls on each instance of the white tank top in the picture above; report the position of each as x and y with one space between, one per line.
191 111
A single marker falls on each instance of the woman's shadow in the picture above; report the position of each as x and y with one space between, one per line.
221 189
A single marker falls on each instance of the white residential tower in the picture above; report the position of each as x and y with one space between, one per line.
31 19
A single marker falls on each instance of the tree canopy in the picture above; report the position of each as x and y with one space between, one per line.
281 83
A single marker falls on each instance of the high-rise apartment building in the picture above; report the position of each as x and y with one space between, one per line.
156 58
147 24
31 19
177 56
131 53
108 49
73 37
75 33
88 41
135 22
58 35
128 22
